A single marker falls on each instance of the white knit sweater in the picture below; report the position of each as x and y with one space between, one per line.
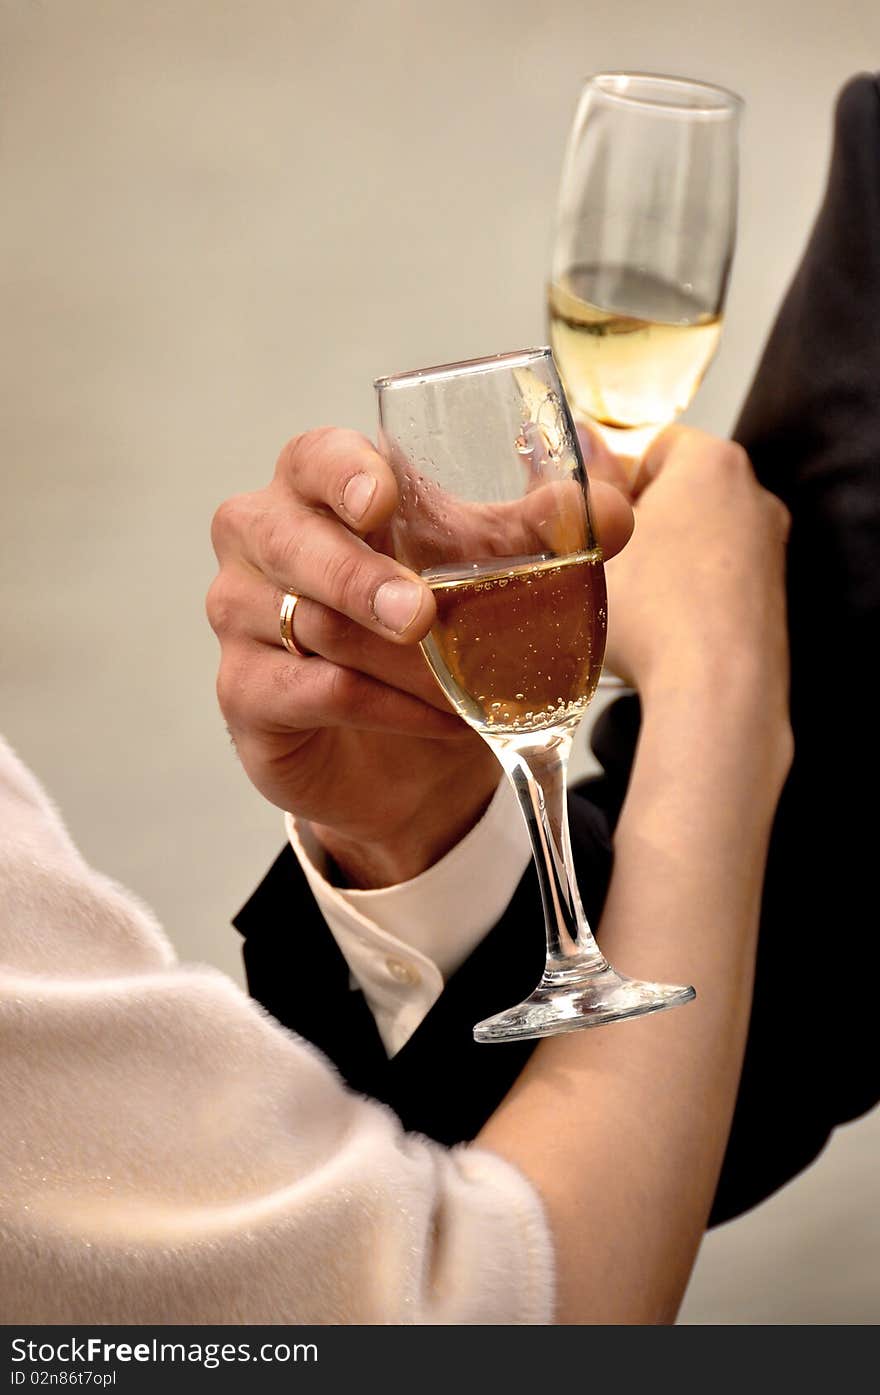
170 1154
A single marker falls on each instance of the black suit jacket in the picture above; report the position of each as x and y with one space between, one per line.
441 1083
811 424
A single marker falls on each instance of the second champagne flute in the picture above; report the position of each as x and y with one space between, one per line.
494 513
643 244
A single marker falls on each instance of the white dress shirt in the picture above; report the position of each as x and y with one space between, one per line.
403 942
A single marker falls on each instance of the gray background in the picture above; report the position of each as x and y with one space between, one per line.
220 221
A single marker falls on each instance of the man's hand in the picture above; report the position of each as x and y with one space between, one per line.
357 738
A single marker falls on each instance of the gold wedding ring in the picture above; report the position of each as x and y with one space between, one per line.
288 606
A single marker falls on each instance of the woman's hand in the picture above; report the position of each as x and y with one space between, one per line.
698 597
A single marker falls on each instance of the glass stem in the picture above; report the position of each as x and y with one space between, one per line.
538 775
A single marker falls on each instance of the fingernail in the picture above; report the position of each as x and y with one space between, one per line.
396 604
357 494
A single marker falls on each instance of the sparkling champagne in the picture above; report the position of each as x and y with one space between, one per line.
631 349
518 642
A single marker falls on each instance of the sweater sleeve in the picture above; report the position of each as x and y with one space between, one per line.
170 1154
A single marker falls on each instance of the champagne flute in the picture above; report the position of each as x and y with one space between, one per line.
644 239
494 514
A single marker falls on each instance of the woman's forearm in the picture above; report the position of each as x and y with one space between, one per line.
623 1130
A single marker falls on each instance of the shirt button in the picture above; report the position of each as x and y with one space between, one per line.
402 972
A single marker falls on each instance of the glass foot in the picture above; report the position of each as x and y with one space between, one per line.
567 1002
